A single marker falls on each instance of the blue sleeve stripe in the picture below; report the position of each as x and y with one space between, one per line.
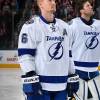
86 64
70 53
53 79
26 51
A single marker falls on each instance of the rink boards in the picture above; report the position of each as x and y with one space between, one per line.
9 59
9 66
10 85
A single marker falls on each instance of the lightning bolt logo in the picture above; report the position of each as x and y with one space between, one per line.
56 50
92 42
56 54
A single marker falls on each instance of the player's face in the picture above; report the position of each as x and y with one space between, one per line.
48 6
87 9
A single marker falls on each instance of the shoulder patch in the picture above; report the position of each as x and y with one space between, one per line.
29 21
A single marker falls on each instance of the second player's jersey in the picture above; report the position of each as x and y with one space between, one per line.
85 44
44 47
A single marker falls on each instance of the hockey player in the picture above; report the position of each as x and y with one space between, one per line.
43 51
86 50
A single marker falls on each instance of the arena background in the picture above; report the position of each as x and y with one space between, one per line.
14 13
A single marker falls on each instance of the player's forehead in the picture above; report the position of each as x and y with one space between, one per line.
82 3
87 3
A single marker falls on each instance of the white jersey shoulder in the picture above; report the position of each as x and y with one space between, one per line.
85 44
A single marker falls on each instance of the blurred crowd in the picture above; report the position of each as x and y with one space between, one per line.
13 13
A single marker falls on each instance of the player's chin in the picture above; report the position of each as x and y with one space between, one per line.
92 12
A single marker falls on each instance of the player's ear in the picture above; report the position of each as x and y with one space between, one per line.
81 11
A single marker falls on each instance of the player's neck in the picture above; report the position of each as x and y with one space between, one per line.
87 18
48 16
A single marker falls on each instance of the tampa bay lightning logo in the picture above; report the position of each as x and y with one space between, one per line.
92 42
56 51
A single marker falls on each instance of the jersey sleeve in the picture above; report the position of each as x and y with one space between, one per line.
71 62
71 69
27 49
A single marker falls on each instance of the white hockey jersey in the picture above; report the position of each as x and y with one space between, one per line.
44 47
85 44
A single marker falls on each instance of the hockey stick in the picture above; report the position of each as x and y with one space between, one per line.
75 97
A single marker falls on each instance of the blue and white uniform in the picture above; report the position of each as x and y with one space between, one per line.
85 45
85 48
44 47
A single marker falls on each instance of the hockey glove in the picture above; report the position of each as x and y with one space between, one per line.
31 83
73 84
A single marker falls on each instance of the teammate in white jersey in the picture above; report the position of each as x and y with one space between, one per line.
86 50
43 51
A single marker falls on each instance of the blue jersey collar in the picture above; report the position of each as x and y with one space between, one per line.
47 22
90 22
